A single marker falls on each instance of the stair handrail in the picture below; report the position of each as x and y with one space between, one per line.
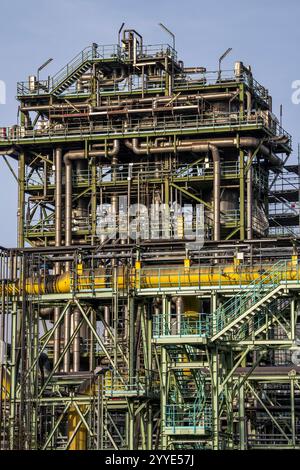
258 285
88 53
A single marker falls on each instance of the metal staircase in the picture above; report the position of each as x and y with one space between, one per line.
228 319
264 320
73 70
192 414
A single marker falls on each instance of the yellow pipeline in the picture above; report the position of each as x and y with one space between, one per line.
79 441
151 278
6 384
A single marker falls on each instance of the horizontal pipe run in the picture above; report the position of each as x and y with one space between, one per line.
174 276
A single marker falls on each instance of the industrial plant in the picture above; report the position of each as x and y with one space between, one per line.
152 300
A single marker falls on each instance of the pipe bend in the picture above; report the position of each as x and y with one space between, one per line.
80 155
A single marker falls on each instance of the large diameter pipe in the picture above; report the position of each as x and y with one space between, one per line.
192 147
76 343
68 204
58 239
216 191
68 158
249 209
58 196
202 146
149 278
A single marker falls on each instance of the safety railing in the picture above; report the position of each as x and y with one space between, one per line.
139 127
285 182
198 277
45 225
157 50
115 386
90 53
142 172
189 417
284 209
282 231
230 216
180 327
254 292
180 279
263 319
267 440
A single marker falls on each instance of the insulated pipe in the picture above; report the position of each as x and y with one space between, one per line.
58 196
162 99
179 312
79 154
56 351
68 158
107 321
249 103
192 147
46 312
249 210
149 278
67 331
68 203
76 155
76 343
216 190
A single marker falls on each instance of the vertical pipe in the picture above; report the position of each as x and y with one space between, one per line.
76 343
179 312
58 224
242 419
216 191
92 342
107 321
68 206
68 242
293 410
21 199
242 196
249 198
94 199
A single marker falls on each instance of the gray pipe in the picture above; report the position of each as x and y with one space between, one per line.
58 196
216 190
76 155
212 145
67 330
107 321
46 312
192 147
58 225
68 204
76 343
187 145
249 103
179 312
249 209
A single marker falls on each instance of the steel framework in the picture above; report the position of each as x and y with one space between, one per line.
120 333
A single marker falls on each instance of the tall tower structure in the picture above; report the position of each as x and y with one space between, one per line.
152 300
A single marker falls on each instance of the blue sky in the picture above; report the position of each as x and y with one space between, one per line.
264 34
